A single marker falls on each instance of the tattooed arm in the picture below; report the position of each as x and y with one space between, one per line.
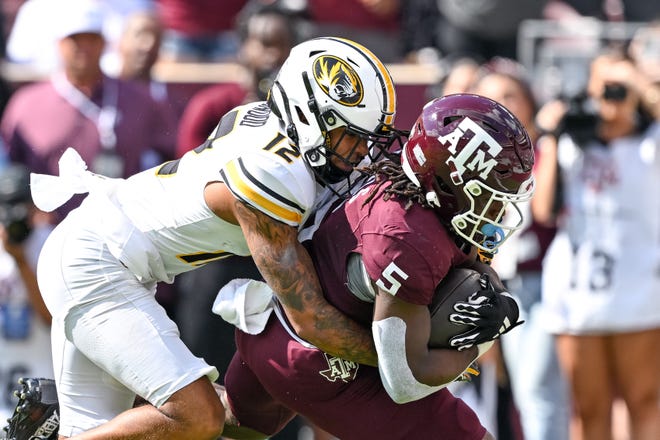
288 269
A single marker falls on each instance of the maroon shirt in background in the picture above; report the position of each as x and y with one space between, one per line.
542 236
199 17
39 125
351 13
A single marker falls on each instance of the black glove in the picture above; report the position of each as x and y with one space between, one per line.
489 313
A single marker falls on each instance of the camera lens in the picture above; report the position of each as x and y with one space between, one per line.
14 218
615 92
581 119
18 231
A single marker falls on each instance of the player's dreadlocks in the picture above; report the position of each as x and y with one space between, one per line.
389 171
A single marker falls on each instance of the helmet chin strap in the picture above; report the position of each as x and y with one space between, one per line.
329 172
431 196
313 105
291 131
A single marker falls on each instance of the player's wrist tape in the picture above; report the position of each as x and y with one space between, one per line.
483 348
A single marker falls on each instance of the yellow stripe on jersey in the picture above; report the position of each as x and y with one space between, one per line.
390 104
201 258
247 191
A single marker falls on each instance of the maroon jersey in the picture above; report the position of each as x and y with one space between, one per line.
405 251
275 375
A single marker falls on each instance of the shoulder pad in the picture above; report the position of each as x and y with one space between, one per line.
283 190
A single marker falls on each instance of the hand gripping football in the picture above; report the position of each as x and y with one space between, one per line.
458 285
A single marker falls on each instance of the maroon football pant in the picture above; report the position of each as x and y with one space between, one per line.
272 376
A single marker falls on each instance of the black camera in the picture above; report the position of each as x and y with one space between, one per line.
615 92
14 218
15 202
581 119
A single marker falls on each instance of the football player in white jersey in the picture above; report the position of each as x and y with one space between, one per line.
245 191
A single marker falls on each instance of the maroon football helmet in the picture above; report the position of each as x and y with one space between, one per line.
474 160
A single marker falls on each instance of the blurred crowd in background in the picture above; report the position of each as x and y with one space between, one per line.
130 84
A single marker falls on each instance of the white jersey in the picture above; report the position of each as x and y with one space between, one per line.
99 267
157 222
602 271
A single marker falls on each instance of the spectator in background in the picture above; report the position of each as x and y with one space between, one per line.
24 319
419 19
35 33
644 49
539 389
600 279
268 31
139 47
113 124
199 30
372 23
608 10
8 11
475 28
459 76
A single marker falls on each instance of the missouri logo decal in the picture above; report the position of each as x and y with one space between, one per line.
338 80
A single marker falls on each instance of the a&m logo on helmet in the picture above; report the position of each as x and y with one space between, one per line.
338 80
477 155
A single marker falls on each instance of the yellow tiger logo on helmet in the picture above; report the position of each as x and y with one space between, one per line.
338 80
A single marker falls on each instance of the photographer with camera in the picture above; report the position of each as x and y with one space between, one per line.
24 319
600 274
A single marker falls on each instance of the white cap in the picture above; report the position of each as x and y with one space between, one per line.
80 16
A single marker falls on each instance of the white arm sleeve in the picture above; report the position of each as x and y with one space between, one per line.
398 380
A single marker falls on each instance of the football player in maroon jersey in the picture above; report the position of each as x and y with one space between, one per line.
380 256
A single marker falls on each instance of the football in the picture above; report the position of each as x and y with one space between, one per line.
458 285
